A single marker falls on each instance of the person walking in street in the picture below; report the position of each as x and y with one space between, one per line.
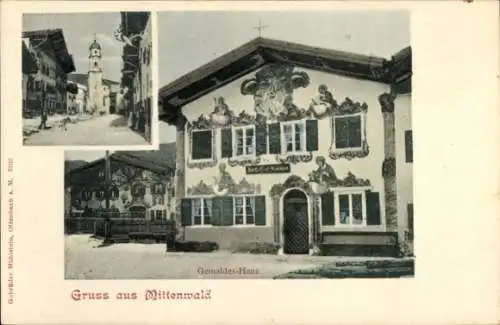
43 123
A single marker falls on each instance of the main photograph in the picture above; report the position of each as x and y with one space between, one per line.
286 152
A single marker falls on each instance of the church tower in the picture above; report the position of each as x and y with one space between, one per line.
95 85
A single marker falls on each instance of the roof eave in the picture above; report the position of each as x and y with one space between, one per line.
263 43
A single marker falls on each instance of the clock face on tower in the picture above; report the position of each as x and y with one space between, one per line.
95 52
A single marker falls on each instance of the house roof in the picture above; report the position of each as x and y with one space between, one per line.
142 159
82 78
259 52
134 22
29 65
52 41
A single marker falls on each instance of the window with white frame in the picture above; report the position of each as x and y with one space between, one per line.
201 211
351 209
294 137
159 214
347 131
244 141
244 210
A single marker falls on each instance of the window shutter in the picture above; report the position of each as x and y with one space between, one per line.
227 142
202 144
227 211
217 211
409 146
186 212
355 131
341 128
260 210
312 135
327 209
372 208
261 139
274 138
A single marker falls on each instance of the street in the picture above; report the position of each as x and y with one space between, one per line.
109 129
85 259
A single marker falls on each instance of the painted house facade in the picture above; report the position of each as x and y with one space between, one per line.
138 188
294 145
29 69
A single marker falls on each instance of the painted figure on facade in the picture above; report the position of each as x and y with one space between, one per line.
221 114
224 182
324 174
272 88
323 102
158 188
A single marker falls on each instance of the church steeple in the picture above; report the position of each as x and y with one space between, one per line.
95 56
95 48
95 89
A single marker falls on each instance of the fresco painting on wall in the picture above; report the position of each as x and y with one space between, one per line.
272 89
324 102
129 188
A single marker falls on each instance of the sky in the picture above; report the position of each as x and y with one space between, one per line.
188 40
78 30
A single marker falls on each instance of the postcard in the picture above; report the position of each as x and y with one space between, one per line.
285 162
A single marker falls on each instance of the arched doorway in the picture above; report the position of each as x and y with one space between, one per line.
295 222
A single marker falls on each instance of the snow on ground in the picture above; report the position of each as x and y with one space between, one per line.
109 129
84 259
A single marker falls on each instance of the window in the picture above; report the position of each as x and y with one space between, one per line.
244 210
244 142
347 131
409 146
201 144
294 137
201 211
351 209
409 209
158 214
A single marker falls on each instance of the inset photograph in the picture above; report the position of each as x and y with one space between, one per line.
87 79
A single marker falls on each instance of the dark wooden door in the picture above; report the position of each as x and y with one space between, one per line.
296 223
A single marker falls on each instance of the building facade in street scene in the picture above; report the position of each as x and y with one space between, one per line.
304 147
109 88
135 33
139 188
29 69
47 88
81 99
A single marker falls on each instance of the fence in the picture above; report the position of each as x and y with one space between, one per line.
117 223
